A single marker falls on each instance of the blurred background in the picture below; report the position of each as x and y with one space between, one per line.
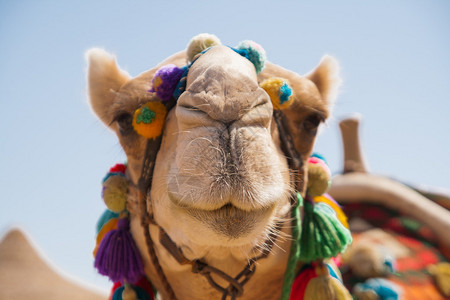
395 64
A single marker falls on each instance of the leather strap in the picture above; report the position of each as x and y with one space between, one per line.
144 186
294 158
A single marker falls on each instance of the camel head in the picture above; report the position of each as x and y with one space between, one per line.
221 179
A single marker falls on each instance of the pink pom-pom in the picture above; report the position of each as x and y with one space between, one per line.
315 160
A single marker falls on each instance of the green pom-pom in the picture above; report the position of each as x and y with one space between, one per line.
323 235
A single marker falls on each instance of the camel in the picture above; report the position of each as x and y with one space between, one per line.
221 184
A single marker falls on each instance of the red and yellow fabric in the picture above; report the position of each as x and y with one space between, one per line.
423 250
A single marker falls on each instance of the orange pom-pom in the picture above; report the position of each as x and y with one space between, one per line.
148 120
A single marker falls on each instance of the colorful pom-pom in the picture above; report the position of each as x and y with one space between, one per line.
115 189
107 227
369 259
327 199
255 53
165 81
105 217
142 289
181 85
200 43
136 293
279 91
315 282
377 288
118 257
326 287
319 176
118 168
148 120
320 156
323 235
129 293
301 282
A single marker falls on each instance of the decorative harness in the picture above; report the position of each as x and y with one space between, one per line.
168 83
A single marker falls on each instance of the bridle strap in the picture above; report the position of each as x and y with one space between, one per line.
144 187
294 158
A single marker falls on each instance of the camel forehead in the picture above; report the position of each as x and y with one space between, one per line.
223 64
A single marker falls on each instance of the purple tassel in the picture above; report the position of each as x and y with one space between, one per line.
118 257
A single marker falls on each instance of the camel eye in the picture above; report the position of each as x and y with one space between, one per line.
124 120
311 124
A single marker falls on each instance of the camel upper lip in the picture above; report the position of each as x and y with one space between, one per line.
227 210
229 220
218 207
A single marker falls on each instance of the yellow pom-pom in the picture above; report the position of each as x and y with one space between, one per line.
199 43
318 180
115 193
279 91
148 120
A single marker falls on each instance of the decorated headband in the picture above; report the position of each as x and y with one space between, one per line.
169 82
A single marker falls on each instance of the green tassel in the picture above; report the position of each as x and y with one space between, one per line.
323 235
295 250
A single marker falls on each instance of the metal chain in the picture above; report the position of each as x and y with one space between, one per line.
236 284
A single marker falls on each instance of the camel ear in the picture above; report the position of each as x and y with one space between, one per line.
326 77
104 79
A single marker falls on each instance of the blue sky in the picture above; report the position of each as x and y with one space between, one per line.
54 152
